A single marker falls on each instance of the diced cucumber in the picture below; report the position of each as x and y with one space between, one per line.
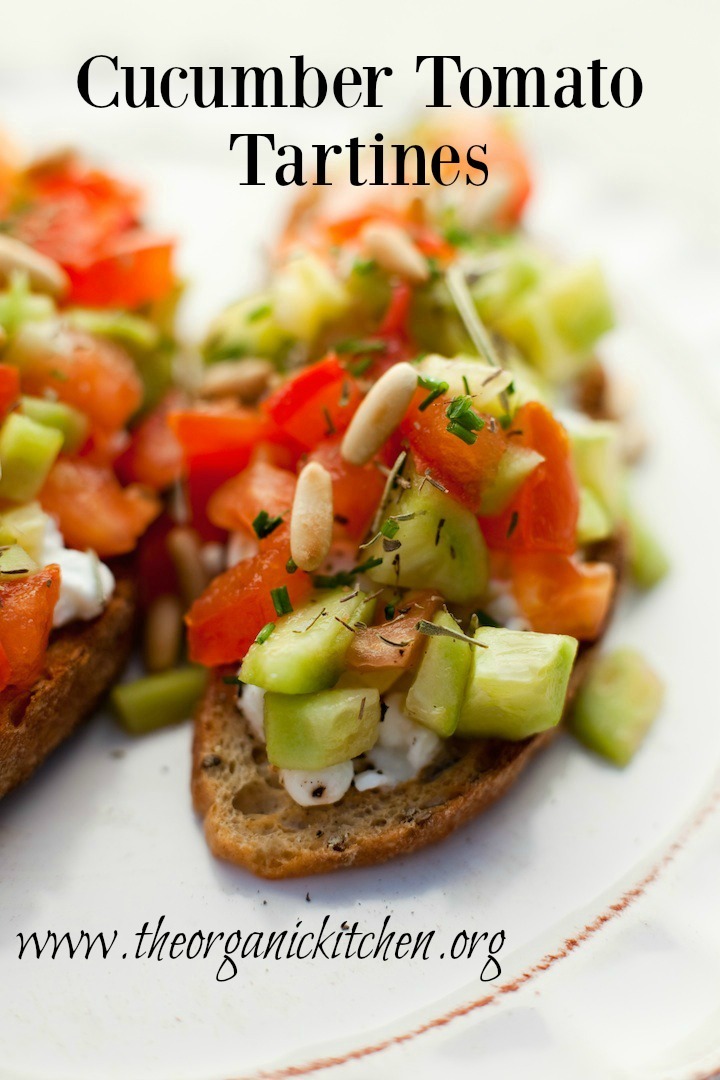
24 525
617 704
306 650
518 269
314 731
593 520
440 544
517 684
649 563
27 453
120 326
19 304
516 464
158 700
436 695
485 383
246 328
71 422
306 295
15 563
598 461
556 324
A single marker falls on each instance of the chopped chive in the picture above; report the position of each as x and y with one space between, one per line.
364 266
514 518
290 566
457 236
360 346
264 524
505 422
389 612
436 388
265 633
344 577
259 312
359 367
390 528
469 437
466 384
281 600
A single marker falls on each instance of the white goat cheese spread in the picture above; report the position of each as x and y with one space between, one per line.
86 583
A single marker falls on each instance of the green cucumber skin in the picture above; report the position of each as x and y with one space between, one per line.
315 731
517 684
305 654
616 705
436 695
27 453
158 700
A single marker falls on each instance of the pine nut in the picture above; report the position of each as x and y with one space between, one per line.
184 548
246 379
311 522
163 633
379 414
45 274
394 251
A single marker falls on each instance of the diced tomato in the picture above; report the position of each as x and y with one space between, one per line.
507 163
96 376
127 271
466 471
357 489
9 388
370 649
237 503
543 514
217 444
5 672
395 319
27 609
560 596
226 619
93 510
154 456
319 400
88 222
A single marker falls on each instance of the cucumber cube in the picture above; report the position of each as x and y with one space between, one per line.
314 731
617 704
24 525
518 683
598 463
15 563
593 521
69 421
306 650
649 563
516 464
436 695
27 453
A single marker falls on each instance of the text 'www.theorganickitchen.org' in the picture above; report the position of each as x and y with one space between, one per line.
229 951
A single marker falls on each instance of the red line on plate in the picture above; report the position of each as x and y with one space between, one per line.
568 946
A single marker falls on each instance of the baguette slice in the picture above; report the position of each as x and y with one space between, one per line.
83 661
250 820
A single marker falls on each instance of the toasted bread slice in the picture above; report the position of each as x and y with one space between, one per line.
250 819
83 661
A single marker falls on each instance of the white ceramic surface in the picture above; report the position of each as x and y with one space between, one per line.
104 838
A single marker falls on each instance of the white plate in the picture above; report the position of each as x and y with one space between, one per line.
104 838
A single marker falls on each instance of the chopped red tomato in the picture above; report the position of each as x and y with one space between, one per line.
226 619
543 514
261 486
357 489
9 388
88 222
128 271
5 672
377 647
217 444
319 401
154 456
27 611
466 471
395 319
560 596
93 510
507 163
96 376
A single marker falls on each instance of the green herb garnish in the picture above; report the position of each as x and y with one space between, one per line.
390 528
265 633
344 577
260 312
389 612
281 600
436 388
291 566
264 524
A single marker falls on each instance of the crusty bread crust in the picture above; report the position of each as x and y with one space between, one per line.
83 661
251 821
